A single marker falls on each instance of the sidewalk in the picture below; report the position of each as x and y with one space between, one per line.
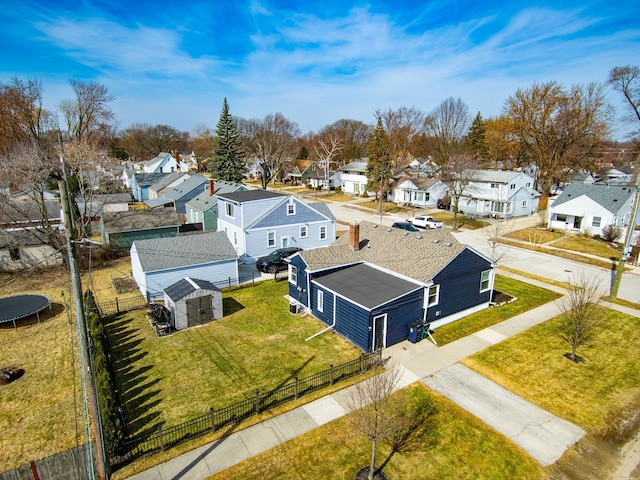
542 435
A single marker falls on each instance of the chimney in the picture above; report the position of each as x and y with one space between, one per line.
210 187
354 236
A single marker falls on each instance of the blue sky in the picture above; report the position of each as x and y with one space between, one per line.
315 62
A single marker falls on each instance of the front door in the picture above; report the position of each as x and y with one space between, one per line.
576 222
379 331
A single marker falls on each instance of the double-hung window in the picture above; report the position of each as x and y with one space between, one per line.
485 281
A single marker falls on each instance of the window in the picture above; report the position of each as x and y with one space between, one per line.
561 218
596 221
293 274
229 209
303 231
14 253
320 300
528 184
512 186
485 281
291 208
235 238
494 185
271 239
323 232
284 242
525 204
433 294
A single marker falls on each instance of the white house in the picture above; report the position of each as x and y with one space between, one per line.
260 221
158 263
419 191
204 207
164 163
590 208
353 177
499 193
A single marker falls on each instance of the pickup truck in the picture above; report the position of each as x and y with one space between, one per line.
425 222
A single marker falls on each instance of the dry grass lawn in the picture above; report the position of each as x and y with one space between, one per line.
535 235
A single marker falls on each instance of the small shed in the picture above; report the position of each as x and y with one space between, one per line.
192 302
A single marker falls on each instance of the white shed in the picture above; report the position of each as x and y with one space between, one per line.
193 302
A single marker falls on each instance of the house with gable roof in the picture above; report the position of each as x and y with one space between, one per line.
353 177
499 193
590 208
419 192
204 207
179 195
371 285
164 163
260 221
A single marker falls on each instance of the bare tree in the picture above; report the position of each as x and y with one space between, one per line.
493 232
447 126
272 141
403 126
580 311
559 129
353 135
456 174
88 111
327 149
142 141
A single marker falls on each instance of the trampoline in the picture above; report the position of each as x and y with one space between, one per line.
17 307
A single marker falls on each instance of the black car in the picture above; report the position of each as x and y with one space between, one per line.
275 261
406 226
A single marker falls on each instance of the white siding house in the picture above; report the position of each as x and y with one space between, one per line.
499 193
260 221
158 263
353 177
419 191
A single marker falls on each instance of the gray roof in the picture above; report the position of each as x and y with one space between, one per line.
323 209
147 179
500 176
28 211
187 286
21 238
416 255
250 195
179 191
158 202
161 156
133 220
357 166
611 197
204 201
366 285
183 251
163 182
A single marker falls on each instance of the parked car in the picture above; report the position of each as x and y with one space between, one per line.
425 222
405 226
275 261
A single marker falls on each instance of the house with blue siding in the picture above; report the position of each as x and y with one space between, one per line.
203 208
179 195
156 264
373 282
260 221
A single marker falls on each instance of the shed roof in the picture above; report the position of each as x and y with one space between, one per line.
183 250
187 286
134 220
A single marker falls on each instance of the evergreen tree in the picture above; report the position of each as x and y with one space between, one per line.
303 153
379 170
476 141
228 161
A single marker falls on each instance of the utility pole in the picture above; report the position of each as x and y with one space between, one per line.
626 248
81 329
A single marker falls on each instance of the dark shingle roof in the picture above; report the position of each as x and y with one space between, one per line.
250 195
366 285
204 201
183 250
186 286
420 255
133 220
611 197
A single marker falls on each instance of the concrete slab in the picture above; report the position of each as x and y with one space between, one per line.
261 437
490 335
324 410
225 453
544 436
294 423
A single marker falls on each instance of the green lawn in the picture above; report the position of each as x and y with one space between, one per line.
528 297
579 243
258 344
460 447
595 394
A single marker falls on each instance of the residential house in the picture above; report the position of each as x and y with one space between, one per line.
590 208
158 263
260 221
141 182
191 302
23 249
203 208
372 284
24 214
164 163
616 176
300 171
179 195
166 183
121 229
353 177
318 177
499 193
92 208
419 192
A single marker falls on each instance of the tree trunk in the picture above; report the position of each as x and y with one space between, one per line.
372 465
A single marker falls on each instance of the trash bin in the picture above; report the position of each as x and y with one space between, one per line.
414 333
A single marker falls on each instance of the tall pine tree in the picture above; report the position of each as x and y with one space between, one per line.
379 170
476 141
228 161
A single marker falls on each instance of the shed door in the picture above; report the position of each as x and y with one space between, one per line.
199 310
379 331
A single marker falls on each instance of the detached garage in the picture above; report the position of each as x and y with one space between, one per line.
193 302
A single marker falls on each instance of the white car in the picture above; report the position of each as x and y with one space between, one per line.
425 222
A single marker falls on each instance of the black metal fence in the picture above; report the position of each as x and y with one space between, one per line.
164 438
119 305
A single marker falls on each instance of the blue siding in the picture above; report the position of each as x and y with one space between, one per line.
329 299
400 314
278 216
460 285
353 322
300 295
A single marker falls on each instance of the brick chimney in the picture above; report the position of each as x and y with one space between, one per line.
354 236
211 187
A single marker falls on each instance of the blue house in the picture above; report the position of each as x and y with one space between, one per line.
373 282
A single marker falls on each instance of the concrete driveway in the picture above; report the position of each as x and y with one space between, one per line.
542 435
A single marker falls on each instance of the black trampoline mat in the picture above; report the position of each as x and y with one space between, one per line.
20 306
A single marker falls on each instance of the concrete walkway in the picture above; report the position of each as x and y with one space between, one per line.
544 436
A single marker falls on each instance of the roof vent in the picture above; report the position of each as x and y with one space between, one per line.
405 233
375 225
389 229
436 241
448 244
419 237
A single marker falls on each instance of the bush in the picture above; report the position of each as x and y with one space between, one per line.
611 233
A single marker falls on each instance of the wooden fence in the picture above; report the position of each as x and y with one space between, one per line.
68 465
164 438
